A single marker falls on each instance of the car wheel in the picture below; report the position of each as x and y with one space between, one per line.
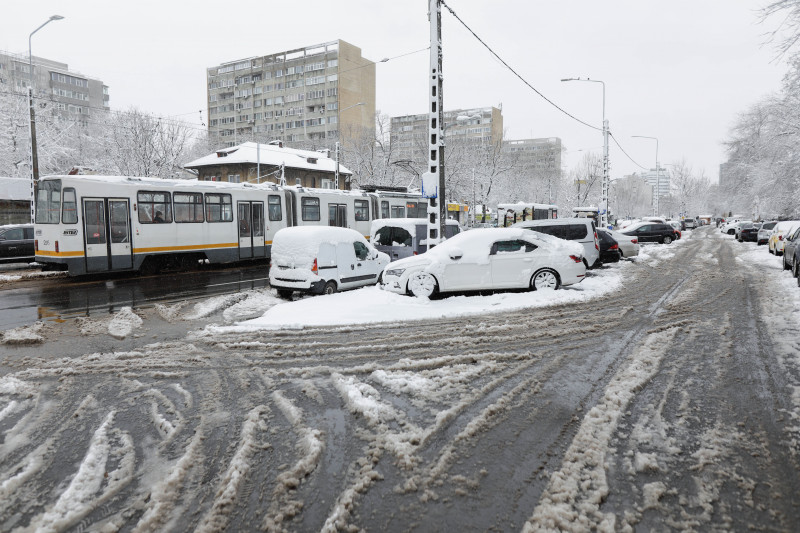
422 284
380 278
286 294
330 288
667 240
545 279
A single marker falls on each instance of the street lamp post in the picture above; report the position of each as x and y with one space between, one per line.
339 129
34 154
658 174
604 198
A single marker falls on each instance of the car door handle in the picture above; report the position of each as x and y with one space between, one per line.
359 264
528 260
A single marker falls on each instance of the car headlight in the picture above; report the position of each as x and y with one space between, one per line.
397 272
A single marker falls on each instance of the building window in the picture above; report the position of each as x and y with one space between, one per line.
234 178
310 208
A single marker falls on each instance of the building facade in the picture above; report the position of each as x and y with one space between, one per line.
312 95
541 157
478 125
74 97
659 181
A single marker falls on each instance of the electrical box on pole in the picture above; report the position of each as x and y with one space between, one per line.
433 178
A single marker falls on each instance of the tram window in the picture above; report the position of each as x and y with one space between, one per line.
275 213
310 208
398 211
384 209
153 204
219 207
188 206
70 213
362 210
48 202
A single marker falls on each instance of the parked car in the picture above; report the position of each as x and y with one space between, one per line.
628 245
689 223
580 230
404 237
749 232
323 260
729 226
781 229
791 251
17 243
737 228
609 247
652 232
765 231
488 259
677 225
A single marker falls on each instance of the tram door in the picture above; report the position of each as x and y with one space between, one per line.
107 234
251 230
337 215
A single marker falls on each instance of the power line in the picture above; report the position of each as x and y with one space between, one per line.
624 152
517 74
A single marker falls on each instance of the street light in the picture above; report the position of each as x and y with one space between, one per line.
339 129
34 155
604 198
658 175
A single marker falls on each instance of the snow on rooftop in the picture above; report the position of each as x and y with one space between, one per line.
269 154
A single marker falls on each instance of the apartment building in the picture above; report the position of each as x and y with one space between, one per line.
536 156
480 125
659 181
72 95
310 96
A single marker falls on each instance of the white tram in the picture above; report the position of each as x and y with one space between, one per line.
88 224
509 214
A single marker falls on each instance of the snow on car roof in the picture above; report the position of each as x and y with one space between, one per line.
408 224
480 239
300 244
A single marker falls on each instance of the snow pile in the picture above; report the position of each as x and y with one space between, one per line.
23 335
123 323
254 305
212 305
170 313
372 305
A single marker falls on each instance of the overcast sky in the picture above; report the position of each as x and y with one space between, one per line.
678 70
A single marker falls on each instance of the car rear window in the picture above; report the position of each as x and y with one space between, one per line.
576 232
555 231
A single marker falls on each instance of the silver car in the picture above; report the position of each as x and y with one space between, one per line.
765 232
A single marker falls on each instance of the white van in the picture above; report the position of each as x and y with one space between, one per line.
323 260
581 230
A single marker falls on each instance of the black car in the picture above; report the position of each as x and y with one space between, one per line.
16 243
653 232
749 232
609 247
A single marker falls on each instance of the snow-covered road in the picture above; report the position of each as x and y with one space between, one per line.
658 393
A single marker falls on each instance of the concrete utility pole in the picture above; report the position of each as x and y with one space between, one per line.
433 178
34 151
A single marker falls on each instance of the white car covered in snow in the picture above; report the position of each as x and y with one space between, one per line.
323 260
487 259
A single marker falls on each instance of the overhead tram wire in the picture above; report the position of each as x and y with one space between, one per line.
573 117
